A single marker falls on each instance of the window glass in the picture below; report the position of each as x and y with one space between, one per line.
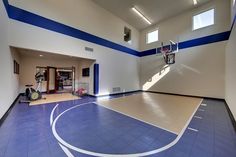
152 37
203 19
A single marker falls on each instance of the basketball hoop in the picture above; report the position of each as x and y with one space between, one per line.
168 54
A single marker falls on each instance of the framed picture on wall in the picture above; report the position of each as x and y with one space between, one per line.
16 67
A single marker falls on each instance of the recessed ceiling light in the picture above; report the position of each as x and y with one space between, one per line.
40 55
141 15
195 2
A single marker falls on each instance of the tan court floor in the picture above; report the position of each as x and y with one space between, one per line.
169 112
50 98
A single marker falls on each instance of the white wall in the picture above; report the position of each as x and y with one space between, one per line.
82 81
199 71
117 69
230 84
84 15
8 81
29 64
179 28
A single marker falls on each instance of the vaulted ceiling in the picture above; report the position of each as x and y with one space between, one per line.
154 10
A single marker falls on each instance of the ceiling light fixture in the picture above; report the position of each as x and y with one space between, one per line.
141 15
40 55
195 2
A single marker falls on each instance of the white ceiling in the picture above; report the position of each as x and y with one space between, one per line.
154 10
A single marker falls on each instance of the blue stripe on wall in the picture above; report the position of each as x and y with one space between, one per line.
96 79
42 22
6 4
205 40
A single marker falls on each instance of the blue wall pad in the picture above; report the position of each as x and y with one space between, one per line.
96 79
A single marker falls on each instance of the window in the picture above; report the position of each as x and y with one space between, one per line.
233 2
203 19
127 35
42 70
152 37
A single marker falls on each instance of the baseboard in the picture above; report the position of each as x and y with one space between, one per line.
9 110
231 115
194 96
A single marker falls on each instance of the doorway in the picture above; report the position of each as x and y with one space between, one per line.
65 80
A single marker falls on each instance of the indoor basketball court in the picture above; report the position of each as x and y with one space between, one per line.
109 78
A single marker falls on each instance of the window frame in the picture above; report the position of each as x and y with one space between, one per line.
151 31
130 35
201 12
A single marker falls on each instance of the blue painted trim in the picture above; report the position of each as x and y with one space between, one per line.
192 43
96 79
205 40
42 22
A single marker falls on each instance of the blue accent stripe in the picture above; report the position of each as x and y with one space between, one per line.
42 22
205 40
96 79
192 43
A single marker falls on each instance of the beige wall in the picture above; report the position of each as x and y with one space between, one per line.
29 64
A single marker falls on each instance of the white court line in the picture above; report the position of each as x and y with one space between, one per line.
192 129
52 114
138 119
66 151
197 117
116 155
201 110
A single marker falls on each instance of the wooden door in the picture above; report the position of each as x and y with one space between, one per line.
51 79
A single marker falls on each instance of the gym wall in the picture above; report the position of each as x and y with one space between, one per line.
230 77
199 71
84 15
9 87
117 69
29 64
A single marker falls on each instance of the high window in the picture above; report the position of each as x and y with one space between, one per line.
203 19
